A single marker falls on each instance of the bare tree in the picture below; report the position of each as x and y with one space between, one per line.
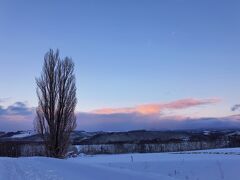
56 91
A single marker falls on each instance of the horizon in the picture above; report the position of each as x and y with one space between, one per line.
138 64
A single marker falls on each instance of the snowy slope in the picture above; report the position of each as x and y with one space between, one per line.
222 164
23 134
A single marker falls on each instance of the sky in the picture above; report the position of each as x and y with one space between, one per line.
139 64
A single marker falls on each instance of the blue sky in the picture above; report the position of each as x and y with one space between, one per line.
127 53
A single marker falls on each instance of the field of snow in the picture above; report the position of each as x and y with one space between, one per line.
23 134
218 164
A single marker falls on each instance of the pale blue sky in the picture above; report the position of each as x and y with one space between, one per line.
127 52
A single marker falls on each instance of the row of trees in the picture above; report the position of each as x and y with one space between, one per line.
56 91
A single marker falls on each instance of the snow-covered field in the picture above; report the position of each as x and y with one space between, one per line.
220 164
23 134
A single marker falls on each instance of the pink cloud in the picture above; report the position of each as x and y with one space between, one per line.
158 107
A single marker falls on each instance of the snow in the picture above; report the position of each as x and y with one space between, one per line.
237 133
24 134
217 164
226 151
206 132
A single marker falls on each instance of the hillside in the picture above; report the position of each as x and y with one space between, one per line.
28 143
